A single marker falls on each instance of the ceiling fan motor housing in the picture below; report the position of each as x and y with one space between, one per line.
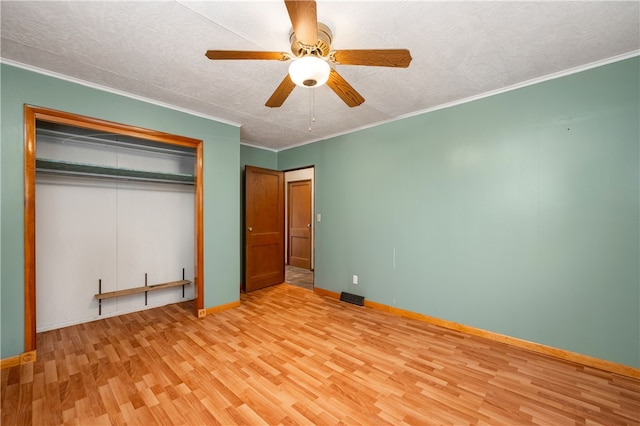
322 47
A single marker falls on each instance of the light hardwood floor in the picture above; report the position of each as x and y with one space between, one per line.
290 356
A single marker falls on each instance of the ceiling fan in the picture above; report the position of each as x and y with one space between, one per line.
312 55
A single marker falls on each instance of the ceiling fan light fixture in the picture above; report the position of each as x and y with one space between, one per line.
309 71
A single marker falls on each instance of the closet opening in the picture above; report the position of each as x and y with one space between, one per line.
113 220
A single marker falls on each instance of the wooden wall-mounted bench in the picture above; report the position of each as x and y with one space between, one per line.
144 289
136 290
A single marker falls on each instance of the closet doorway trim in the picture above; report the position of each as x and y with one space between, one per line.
31 115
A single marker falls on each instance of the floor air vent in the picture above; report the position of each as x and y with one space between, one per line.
352 298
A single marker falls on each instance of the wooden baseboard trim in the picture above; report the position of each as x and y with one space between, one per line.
24 358
328 293
220 308
10 362
565 355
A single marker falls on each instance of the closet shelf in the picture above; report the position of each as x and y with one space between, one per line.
79 169
136 290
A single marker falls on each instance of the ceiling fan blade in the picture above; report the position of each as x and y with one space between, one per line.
246 54
304 19
281 93
400 58
344 90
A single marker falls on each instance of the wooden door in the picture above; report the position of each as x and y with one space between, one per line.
299 224
264 228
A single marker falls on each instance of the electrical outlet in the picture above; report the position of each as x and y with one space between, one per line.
355 279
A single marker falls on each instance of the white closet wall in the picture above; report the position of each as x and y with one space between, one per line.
89 228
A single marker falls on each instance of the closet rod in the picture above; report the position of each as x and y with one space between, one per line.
108 140
79 169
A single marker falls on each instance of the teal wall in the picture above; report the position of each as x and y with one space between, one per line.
517 213
250 156
221 183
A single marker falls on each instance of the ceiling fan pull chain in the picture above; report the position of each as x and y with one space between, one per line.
313 105
312 108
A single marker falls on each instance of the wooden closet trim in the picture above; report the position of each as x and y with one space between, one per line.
31 114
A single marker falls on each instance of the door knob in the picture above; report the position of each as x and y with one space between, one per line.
309 225
249 229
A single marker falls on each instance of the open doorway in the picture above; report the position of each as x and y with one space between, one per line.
299 227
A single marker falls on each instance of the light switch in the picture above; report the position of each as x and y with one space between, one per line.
318 217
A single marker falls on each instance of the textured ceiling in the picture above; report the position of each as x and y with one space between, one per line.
155 50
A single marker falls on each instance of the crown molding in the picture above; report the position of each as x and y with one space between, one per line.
506 89
114 91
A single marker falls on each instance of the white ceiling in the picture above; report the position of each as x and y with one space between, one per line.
155 50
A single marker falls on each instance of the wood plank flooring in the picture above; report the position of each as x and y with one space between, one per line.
288 356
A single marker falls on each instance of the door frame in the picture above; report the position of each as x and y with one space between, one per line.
31 115
313 210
